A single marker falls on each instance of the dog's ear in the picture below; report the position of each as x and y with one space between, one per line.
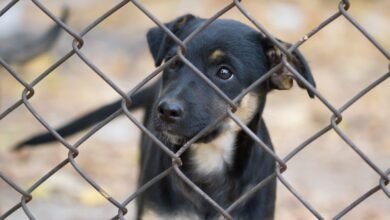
158 40
283 79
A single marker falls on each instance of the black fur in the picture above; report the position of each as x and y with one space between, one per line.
180 104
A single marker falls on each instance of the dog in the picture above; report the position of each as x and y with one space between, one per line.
225 162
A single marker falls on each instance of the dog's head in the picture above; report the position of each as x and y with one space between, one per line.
229 53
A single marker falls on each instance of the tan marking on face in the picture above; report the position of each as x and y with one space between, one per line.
216 54
212 157
246 110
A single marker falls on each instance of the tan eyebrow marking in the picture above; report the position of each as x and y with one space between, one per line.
216 55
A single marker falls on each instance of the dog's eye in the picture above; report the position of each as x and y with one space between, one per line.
224 73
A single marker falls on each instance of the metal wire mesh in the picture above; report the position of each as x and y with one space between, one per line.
78 41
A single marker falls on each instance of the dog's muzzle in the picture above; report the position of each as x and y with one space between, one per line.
169 111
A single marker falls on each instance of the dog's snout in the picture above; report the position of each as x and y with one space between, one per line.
169 111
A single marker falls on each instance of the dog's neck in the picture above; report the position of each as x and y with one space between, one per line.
215 157
219 169
220 178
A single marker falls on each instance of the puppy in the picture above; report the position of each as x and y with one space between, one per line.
225 162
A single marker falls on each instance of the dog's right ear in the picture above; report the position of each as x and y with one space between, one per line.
159 41
283 79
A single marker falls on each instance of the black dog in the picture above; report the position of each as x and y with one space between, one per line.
226 162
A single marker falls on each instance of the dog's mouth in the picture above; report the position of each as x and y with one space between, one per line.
174 138
178 139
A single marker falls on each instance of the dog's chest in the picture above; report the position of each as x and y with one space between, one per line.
215 156
153 215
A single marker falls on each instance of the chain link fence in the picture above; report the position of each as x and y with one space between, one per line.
282 163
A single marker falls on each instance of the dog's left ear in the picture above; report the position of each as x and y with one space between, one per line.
283 79
158 40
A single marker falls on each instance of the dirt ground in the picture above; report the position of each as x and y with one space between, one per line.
328 173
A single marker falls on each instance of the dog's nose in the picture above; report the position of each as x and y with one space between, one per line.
169 111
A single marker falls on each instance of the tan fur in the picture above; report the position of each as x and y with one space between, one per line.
151 215
247 109
216 54
211 157
214 156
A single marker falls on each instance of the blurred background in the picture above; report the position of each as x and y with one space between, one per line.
328 173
